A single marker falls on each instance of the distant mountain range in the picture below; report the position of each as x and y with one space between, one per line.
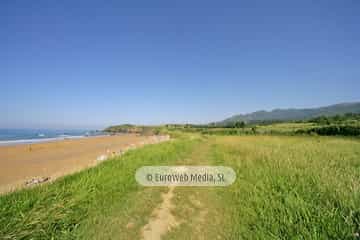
294 114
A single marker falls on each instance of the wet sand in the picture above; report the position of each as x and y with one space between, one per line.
21 163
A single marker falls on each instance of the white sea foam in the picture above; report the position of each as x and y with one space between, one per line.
30 141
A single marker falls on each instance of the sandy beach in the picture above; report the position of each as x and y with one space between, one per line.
21 163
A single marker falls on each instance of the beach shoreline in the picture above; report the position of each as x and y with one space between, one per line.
49 160
31 136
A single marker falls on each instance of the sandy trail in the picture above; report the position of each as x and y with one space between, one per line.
162 219
20 163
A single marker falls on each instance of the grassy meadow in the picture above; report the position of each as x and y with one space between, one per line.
287 187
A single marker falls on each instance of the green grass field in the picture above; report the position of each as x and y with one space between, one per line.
287 187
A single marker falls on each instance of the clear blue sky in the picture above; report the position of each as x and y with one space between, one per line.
81 64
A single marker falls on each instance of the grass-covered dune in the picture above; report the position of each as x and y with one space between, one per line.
287 187
85 205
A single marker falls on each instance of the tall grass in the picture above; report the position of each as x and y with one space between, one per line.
291 187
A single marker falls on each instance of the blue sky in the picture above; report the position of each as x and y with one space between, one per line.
87 64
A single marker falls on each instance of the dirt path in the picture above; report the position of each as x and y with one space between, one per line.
181 207
162 220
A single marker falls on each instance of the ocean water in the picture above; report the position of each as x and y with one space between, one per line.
27 136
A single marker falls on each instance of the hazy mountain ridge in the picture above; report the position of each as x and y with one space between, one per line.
295 114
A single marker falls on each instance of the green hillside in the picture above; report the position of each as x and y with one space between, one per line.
295 114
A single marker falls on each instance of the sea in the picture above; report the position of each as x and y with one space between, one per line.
28 136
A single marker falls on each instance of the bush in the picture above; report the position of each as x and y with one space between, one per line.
333 130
